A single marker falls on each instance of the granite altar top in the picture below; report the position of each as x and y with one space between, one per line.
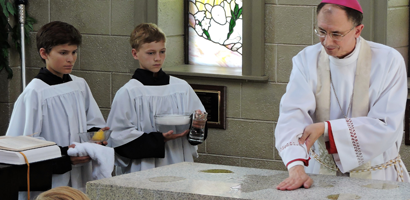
208 181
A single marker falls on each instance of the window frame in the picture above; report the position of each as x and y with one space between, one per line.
253 53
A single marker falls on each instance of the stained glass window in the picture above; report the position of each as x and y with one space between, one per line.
215 32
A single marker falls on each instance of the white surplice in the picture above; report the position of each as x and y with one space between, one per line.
58 113
132 114
379 134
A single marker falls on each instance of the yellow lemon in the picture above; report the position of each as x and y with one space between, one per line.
98 136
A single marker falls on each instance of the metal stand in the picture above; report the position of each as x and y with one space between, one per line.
22 10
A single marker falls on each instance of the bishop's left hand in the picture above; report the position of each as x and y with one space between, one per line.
311 134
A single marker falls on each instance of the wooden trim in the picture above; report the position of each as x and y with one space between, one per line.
380 21
152 11
186 32
139 17
406 123
253 57
375 20
212 72
258 38
247 38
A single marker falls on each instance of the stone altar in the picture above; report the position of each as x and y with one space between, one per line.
207 181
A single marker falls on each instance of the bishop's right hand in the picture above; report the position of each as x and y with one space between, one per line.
297 178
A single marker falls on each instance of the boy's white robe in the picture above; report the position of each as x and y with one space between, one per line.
379 134
58 113
132 114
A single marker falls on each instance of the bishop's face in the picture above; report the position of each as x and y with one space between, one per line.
333 20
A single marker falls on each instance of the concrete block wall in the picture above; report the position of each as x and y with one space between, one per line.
398 37
105 53
106 63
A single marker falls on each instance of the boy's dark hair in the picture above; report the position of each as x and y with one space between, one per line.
353 15
146 33
57 33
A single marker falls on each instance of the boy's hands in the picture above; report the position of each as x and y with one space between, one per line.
78 159
201 122
170 136
104 142
198 123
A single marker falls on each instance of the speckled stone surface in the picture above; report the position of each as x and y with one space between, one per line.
201 181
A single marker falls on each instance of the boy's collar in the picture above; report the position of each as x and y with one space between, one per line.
146 77
46 76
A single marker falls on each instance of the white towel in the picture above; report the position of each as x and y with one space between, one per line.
102 158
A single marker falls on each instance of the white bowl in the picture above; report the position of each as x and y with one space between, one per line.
95 136
176 122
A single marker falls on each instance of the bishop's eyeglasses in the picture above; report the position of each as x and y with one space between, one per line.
335 36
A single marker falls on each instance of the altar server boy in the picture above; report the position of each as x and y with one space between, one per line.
56 105
150 91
